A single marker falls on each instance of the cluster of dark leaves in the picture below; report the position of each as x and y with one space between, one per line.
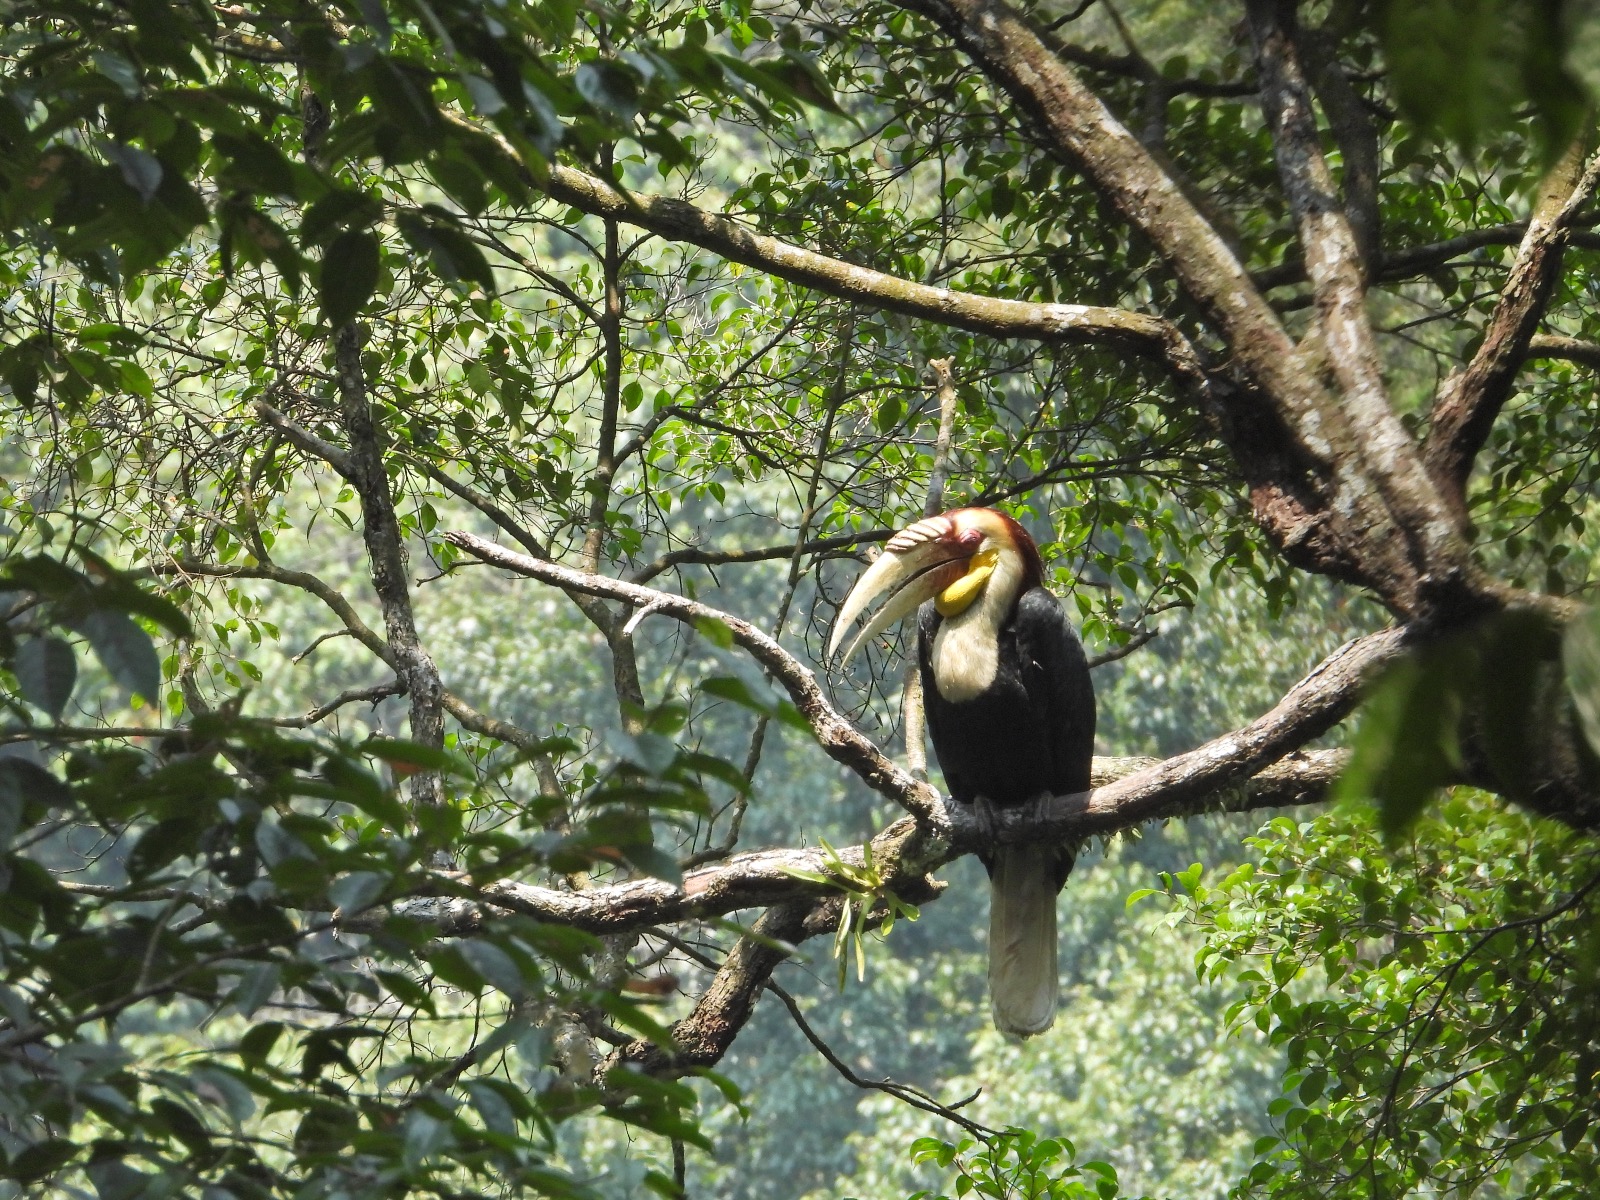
125 129
1438 1006
180 1009
1467 72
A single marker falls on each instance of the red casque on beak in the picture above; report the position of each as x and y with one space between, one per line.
918 563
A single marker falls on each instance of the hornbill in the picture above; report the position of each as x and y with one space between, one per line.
1010 710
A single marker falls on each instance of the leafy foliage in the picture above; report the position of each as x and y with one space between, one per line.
1437 1006
226 882
1017 1163
226 952
1463 71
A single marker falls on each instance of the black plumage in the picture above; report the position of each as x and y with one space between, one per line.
1023 726
1031 732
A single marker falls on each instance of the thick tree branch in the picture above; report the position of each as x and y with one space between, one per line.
1570 349
703 1037
1318 484
1466 406
1141 334
798 908
1138 333
1357 139
762 878
1036 77
1334 264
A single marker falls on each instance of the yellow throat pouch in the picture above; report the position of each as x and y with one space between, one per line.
958 597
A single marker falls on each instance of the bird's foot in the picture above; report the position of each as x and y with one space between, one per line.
990 823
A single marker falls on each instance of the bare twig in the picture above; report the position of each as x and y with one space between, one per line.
1144 637
1575 350
380 530
378 691
693 555
906 1094
913 716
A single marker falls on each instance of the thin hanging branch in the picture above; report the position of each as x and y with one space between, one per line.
913 716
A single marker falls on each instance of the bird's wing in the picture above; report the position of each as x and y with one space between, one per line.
1055 673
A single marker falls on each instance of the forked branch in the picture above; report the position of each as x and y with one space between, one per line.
1470 400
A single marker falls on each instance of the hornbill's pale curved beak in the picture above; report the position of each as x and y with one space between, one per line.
920 562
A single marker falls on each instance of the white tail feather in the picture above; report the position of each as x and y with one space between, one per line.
1022 939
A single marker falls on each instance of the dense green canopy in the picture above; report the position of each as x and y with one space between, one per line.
436 437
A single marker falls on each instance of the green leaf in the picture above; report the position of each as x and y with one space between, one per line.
1406 747
415 756
40 1159
258 1042
1462 69
652 861
140 169
609 87
348 276
116 591
1139 894
341 207
125 651
27 791
357 890
497 967
46 672
714 631
453 255
255 988
1515 650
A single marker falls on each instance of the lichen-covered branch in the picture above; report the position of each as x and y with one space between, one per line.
1380 454
380 529
1139 333
1351 125
1569 349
